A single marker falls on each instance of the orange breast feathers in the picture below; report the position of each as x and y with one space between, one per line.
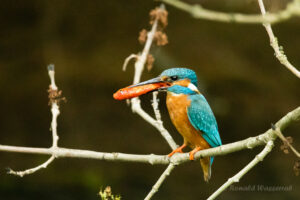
177 106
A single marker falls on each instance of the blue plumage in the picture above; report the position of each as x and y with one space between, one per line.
199 112
177 89
203 119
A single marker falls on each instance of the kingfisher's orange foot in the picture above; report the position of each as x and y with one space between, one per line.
192 153
178 150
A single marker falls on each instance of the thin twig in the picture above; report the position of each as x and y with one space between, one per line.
159 122
127 61
54 100
285 141
197 11
274 43
176 159
159 182
55 112
236 178
136 108
31 170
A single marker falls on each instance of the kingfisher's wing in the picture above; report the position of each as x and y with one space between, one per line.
203 119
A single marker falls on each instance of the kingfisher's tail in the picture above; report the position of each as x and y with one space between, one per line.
206 167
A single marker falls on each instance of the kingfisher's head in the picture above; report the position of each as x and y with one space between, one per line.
178 75
176 80
182 80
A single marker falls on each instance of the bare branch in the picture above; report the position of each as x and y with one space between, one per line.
132 56
236 178
31 170
136 108
159 123
161 179
197 11
285 141
274 42
248 143
54 98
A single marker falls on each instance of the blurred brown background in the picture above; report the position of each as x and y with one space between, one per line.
88 41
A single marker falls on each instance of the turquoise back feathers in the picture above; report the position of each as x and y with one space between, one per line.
203 119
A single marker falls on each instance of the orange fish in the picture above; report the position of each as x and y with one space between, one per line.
135 91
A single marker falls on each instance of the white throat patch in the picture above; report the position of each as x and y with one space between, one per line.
174 94
193 87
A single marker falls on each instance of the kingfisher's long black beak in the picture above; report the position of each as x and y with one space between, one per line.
151 81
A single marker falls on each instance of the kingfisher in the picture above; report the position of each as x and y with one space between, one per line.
188 109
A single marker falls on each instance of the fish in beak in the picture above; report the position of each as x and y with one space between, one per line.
141 88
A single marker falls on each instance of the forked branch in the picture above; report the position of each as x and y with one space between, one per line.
197 11
54 98
236 178
274 42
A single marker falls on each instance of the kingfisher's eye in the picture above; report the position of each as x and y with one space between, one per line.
174 78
